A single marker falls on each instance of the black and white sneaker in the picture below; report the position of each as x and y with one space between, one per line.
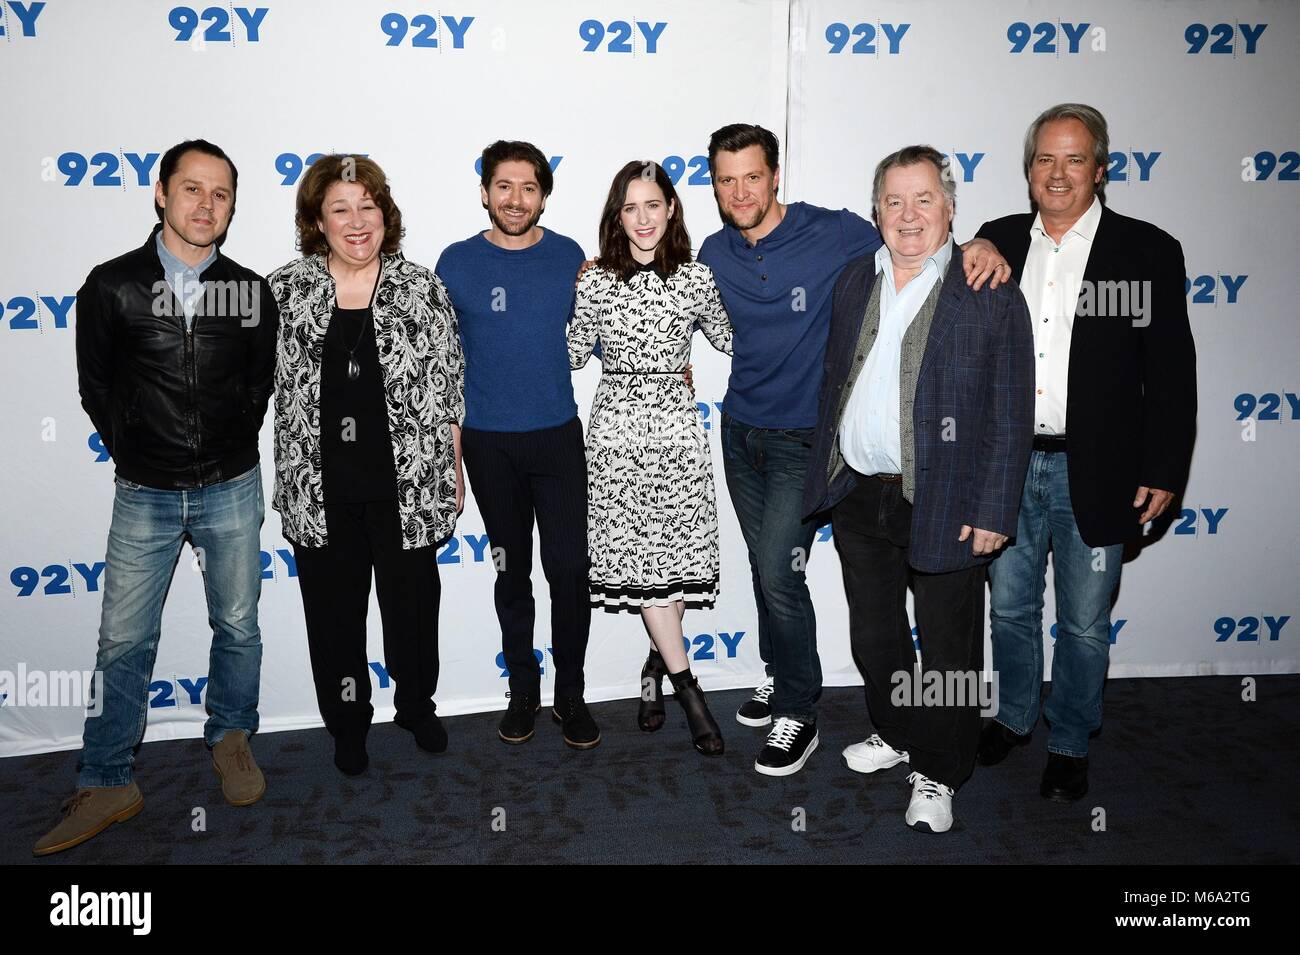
756 711
788 747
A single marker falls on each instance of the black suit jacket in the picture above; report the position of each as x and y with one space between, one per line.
1131 394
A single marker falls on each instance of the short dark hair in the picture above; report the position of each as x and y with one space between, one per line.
674 249
515 151
310 202
172 158
738 136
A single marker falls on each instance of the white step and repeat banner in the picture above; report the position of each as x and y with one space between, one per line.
1204 125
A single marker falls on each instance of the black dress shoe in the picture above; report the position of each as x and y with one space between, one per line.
996 741
1066 778
579 726
517 725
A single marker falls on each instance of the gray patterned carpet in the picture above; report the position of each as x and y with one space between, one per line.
1185 772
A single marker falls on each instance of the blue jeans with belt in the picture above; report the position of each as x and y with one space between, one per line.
223 522
766 469
1085 579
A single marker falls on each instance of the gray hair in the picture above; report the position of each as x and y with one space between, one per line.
910 156
1092 121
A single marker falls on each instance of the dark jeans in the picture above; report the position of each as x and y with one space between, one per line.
335 585
516 476
765 471
872 529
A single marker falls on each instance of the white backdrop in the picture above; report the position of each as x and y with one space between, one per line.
91 97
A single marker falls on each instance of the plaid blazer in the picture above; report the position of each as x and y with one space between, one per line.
972 415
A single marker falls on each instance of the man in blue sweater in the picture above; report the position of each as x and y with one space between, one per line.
776 265
513 289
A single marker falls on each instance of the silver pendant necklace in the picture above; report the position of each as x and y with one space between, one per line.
354 366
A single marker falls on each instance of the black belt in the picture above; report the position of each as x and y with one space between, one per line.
883 478
682 372
1051 443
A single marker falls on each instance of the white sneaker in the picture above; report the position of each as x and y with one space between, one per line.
931 807
871 754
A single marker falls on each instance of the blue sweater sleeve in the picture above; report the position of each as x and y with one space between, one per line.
860 236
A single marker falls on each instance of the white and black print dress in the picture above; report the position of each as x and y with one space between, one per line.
652 519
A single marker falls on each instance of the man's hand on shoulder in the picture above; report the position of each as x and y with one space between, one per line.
982 263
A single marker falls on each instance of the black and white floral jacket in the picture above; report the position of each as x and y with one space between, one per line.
424 379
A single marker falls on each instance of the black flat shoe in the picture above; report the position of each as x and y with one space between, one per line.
350 754
650 714
704 729
428 731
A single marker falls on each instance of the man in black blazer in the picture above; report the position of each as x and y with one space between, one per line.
922 438
1114 423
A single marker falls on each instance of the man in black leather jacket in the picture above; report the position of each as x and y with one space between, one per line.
175 357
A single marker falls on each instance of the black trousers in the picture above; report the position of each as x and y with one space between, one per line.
519 476
872 530
335 585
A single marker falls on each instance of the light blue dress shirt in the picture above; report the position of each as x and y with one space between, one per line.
185 280
870 439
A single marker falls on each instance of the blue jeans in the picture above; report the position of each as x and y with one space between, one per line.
222 522
1085 579
765 471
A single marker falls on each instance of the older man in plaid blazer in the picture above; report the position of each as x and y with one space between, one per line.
923 437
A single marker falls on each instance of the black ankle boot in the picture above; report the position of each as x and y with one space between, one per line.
707 736
650 714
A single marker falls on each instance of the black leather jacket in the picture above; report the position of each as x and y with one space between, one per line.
177 409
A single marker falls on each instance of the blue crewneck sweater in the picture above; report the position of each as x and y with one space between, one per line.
513 308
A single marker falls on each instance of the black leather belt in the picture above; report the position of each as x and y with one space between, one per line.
889 478
682 372
1051 443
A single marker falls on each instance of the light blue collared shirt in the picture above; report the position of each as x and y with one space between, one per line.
185 280
870 439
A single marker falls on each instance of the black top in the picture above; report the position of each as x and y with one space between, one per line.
356 447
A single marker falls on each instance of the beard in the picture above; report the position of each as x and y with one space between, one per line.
504 226
750 220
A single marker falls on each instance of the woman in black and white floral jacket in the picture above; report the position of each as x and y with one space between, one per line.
369 398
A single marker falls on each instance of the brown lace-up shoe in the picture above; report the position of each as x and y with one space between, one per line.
242 783
87 813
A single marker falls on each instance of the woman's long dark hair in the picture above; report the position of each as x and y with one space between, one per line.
674 248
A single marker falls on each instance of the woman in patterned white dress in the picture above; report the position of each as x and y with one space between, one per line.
652 518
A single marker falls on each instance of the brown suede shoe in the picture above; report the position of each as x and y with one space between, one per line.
88 813
242 783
